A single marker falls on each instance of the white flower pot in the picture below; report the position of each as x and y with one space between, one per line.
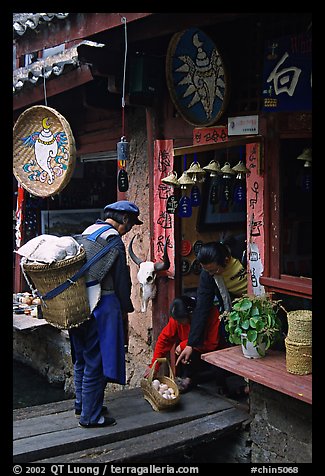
250 352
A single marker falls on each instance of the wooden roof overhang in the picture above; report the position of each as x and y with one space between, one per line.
62 83
75 28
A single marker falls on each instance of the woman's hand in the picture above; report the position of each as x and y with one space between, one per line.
185 355
178 350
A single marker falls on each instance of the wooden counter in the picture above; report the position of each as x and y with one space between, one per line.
269 371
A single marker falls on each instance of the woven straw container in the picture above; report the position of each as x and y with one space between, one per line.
156 400
44 151
69 308
300 326
298 357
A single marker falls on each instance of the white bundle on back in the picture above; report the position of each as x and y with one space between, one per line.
49 248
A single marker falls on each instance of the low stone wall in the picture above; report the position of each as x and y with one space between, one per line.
47 350
281 428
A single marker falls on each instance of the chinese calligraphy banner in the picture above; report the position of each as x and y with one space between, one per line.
255 220
287 75
210 135
163 227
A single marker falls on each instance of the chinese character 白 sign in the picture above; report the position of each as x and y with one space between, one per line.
287 75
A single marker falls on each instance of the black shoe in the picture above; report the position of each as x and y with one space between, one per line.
104 409
107 422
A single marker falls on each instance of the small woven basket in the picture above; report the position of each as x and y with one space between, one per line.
44 151
69 308
300 326
156 400
298 357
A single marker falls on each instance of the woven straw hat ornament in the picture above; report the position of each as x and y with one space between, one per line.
44 151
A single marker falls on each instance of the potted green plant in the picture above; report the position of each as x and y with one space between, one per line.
253 322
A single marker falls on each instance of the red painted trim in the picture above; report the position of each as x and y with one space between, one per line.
295 286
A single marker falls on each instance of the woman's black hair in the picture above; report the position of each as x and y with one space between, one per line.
181 307
213 252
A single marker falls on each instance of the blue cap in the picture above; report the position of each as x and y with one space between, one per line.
126 207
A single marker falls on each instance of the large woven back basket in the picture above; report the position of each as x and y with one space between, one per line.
44 151
156 400
69 308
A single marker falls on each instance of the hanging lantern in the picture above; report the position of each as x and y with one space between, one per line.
196 173
241 170
171 179
213 167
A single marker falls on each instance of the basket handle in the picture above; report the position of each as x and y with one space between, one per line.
160 360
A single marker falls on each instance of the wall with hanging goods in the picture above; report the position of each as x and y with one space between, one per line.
215 208
215 197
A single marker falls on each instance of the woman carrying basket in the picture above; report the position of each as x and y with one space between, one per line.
97 345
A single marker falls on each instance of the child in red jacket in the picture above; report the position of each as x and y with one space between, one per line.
176 333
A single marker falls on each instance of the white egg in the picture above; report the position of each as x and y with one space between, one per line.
171 390
163 386
155 384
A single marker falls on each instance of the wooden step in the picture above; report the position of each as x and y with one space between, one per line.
50 431
159 444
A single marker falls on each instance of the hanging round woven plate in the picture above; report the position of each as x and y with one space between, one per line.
44 151
196 76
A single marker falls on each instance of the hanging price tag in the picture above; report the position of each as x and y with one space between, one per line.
195 196
185 207
171 205
214 195
122 180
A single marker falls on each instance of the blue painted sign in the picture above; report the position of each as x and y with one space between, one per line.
196 77
287 75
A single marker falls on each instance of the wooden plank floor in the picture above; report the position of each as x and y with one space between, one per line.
50 433
269 371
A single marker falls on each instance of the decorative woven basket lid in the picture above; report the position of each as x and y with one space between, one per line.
196 76
44 151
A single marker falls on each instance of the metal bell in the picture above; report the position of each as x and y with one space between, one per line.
185 180
306 155
227 171
171 179
213 167
196 173
241 170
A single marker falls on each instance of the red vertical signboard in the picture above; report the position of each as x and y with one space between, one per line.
255 219
163 226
